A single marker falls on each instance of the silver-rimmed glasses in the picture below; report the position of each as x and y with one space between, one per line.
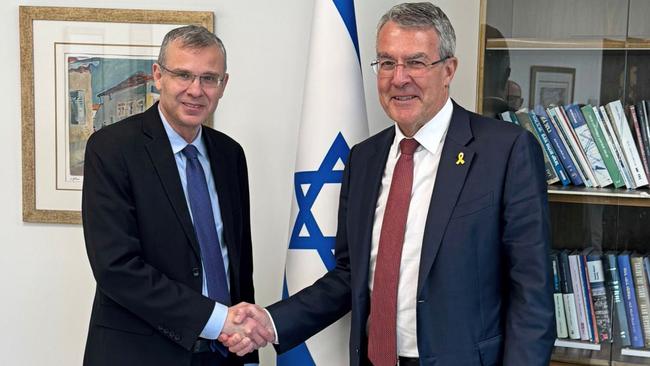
386 67
185 78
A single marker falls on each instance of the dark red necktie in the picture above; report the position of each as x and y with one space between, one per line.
382 333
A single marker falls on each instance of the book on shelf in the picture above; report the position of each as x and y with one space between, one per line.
560 318
589 303
596 276
615 147
586 140
636 127
629 297
602 146
643 301
642 117
524 121
613 282
546 145
559 146
574 148
581 309
568 296
622 130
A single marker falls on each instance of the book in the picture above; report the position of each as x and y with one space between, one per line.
601 144
560 148
546 144
639 139
613 282
524 121
596 276
622 130
642 299
629 297
615 147
642 117
566 285
586 140
589 304
574 147
560 319
579 296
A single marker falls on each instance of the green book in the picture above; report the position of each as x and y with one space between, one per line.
601 144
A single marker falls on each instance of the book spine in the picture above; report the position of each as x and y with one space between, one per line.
601 144
580 154
643 301
579 297
629 297
645 133
612 140
560 318
596 276
621 128
639 139
546 143
614 283
561 151
525 122
589 304
568 296
586 140
570 143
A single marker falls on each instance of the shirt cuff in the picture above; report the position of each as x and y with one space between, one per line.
216 322
275 331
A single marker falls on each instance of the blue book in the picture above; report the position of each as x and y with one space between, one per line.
559 147
546 143
613 282
629 297
586 287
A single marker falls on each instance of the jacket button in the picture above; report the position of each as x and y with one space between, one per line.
177 338
195 272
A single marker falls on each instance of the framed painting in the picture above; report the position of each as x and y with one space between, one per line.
81 69
551 85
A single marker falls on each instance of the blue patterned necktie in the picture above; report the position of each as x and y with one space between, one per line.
204 226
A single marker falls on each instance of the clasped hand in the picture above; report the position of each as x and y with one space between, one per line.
247 328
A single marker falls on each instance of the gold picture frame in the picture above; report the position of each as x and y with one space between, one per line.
50 40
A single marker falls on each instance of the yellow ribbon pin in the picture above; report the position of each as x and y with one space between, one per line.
460 160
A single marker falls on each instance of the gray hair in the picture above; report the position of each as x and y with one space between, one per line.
191 36
423 15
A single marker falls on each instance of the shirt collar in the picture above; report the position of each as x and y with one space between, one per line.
178 142
430 135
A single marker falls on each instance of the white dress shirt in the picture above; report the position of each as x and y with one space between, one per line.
426 160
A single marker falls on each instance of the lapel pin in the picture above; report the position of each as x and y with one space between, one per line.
460 160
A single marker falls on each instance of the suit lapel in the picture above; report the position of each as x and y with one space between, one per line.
449 183
371 168
160 153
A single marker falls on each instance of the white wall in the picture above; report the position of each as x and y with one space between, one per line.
45 279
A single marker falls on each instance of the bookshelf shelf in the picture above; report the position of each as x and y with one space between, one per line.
583 43
544 65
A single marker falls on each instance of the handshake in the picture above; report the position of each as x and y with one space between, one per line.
247 328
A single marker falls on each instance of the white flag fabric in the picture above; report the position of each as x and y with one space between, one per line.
333 120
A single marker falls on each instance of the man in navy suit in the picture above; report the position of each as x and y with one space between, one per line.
471 283
167 265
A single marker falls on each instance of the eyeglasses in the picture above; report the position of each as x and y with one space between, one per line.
415 68
185 78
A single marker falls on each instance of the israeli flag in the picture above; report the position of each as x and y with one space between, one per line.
333 119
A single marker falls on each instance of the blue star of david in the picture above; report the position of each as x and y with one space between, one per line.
316 180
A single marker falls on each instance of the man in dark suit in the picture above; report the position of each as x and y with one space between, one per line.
443 230
167 223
